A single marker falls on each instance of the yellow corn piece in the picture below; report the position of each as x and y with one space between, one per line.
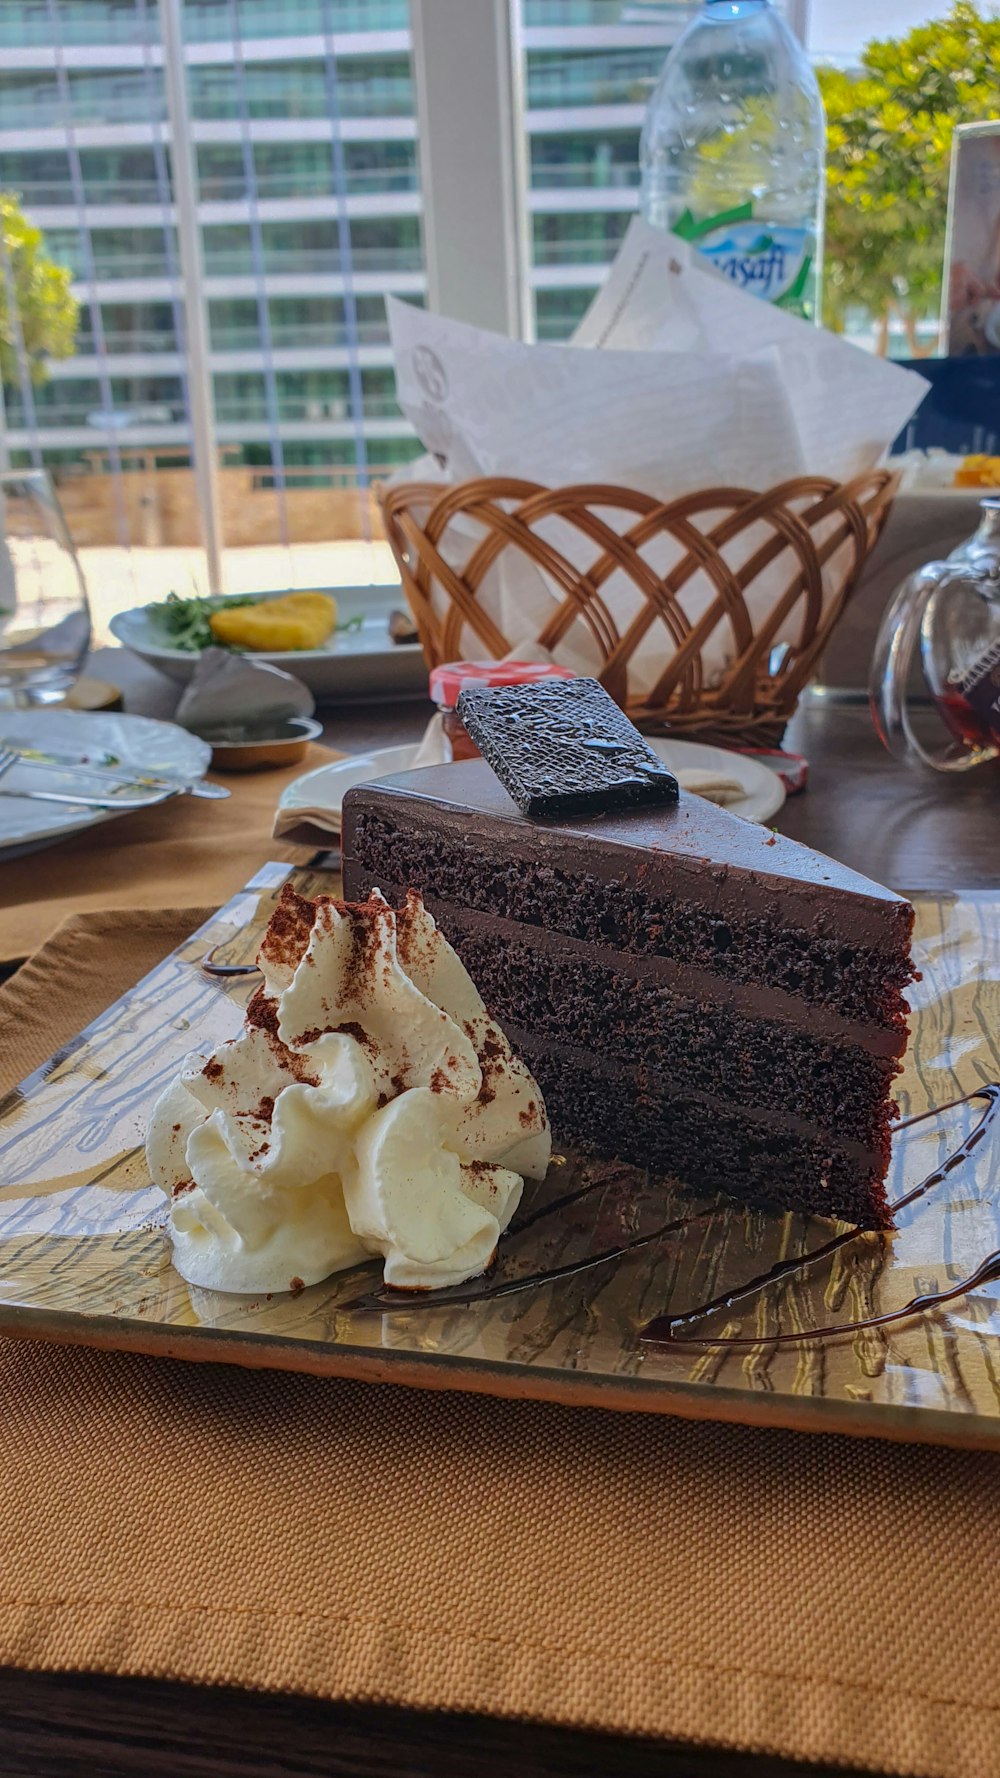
276 626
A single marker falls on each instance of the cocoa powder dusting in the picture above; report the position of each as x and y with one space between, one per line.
296 1286
359 969
287 937
290 1061
492 1057
213 1070
262 1012
407 927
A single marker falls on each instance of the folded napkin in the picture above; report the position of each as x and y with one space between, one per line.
317 822
802 1597
230 691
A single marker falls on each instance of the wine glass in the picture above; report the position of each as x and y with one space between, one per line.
44 614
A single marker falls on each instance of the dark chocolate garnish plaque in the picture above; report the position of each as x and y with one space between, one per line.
563 747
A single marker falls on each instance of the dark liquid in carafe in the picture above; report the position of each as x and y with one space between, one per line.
964 722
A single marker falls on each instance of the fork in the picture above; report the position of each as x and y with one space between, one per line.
35 756
163 793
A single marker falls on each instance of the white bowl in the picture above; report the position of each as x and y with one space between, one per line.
354 664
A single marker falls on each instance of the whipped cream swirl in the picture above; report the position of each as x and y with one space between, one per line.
370 1106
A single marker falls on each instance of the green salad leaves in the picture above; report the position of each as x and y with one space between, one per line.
183 623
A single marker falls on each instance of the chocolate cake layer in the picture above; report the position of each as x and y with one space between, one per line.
741 919
696 994
711 1148
687 980
660 1037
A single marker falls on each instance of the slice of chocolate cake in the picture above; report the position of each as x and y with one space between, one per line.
694 994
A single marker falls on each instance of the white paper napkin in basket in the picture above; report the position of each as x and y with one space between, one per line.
676 382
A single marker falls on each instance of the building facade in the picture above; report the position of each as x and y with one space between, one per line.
302 117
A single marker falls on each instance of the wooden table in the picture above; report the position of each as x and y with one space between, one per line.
910 830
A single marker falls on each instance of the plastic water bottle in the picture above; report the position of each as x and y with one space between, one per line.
733 151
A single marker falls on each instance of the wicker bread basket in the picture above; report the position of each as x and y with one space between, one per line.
706 615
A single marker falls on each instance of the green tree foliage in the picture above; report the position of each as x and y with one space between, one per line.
890 127
43 300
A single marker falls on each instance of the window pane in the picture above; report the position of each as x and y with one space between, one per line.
590 66
210 20
370 86
309 207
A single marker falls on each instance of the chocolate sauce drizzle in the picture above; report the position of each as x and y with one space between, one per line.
489 1288
663 1330
208 965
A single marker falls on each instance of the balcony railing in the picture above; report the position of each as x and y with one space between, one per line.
338 475
605 12
592 174
235 409
289 335
578 252
119 265
252 410
553 325
95 24
292 99
306 182
97 191
75 413
206 23
583 85
236 262
117 342
44 109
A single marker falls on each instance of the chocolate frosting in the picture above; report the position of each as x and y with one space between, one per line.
692 849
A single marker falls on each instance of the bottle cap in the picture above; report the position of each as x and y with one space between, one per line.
447 682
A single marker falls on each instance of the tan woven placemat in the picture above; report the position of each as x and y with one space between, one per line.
801 1596
185 853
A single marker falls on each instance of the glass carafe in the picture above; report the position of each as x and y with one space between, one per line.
947 616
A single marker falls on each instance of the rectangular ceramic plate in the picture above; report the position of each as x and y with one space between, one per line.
85 1257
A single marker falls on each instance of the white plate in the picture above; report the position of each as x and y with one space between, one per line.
354 664
326 786
763 791
157 747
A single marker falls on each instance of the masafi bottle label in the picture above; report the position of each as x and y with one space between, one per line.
766 260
